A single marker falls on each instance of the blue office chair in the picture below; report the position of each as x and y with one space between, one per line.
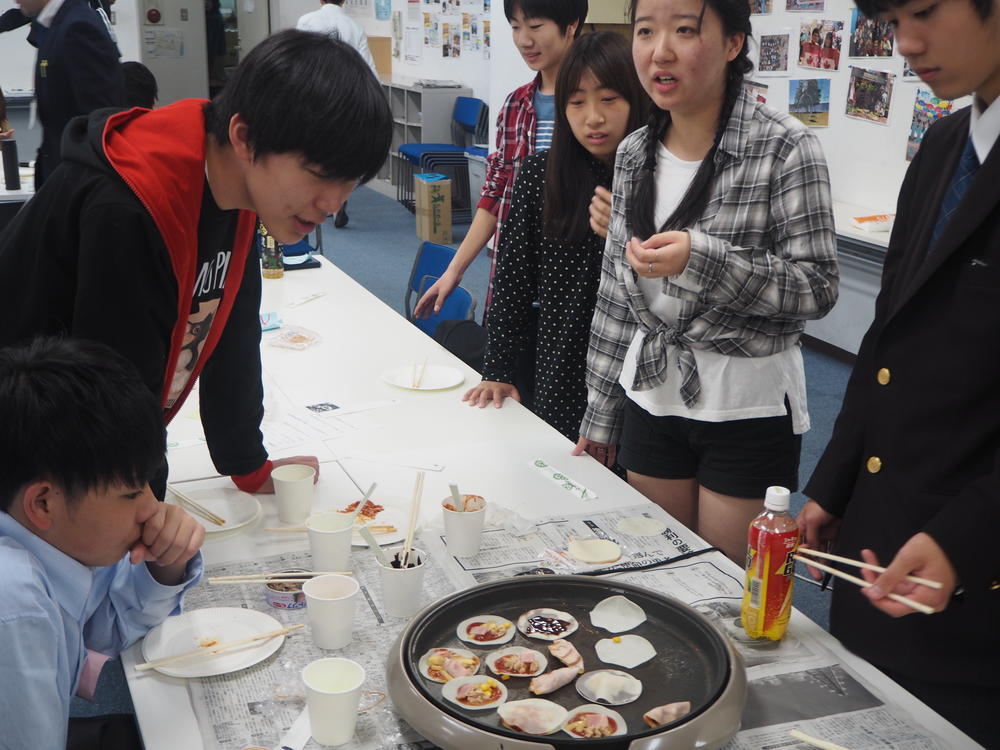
460 305
432 259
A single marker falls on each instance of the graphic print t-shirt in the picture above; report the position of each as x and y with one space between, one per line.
216 233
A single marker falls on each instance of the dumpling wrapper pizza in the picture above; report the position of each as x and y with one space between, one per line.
532 716
661 715
617 614
594 551
627 650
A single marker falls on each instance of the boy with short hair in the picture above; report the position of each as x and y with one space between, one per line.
143 237
543 32
91 561
912 472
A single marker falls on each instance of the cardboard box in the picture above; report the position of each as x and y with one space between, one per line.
432 194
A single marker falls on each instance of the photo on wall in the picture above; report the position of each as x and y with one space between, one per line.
869 94
926 109
759 7
757 90
773 54
809 101
813 6
869 37
820 43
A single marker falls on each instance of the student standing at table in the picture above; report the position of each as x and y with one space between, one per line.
911 475
543 31
720 247
90 560
549 252
142 238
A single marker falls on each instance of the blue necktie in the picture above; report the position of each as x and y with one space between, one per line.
960 181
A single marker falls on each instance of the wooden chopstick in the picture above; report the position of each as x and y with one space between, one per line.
273 578
215 649
823 744
418 490
867 566
373 528
864 584
195 507
418 374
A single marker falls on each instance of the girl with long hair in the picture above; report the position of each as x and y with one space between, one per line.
549 252
720 247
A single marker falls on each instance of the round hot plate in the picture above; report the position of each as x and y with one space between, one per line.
692 662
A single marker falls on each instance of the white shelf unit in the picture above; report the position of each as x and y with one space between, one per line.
419 115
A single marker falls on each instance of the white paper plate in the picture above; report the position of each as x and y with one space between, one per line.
235 507
434 378
388 517
188 631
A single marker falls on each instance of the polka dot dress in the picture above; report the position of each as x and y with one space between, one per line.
563 279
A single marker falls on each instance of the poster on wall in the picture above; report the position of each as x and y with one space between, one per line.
161 42
869 37
820 42
869 95
809 101
358 8
926 109
451 38
432 30
412 11
414 45
383 10
757 90
759 7
486 38
773 55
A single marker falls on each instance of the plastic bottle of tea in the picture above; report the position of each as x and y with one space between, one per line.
767 592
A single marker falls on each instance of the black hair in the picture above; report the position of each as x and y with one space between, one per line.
563 12
303 92
77 414
140 85
569 181
640 208
871 8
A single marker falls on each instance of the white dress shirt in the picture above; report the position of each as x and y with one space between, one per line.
331 20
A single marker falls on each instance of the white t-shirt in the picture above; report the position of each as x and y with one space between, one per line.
331 20
732 387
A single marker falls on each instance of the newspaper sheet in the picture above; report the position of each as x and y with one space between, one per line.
256 706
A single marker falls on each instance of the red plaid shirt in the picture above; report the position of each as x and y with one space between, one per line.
515 143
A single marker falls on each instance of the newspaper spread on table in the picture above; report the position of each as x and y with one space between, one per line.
797 683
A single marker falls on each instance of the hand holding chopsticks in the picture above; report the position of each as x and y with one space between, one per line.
211 651
866 566
864 584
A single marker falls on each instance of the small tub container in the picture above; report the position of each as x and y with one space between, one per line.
281 595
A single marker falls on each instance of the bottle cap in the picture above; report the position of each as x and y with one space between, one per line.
777 498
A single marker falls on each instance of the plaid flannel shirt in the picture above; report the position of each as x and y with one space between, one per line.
515 143
763 261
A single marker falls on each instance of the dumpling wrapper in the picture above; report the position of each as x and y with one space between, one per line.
566 652
593 708
661 715
616 614
533 715
630 650
594 551
609 686
641 526
552 681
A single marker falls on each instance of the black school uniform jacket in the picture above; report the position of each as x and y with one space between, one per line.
924 400
76 72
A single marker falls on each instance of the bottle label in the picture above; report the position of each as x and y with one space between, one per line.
767 599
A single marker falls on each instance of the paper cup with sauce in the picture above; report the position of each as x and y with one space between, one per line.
463 529
285 594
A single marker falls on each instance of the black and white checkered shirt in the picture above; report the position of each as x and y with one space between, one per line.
763 261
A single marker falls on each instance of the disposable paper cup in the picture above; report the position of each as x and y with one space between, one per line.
293 489
403 588
463 530
333 692
330 540
330 603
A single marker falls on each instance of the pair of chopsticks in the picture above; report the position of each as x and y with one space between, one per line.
418 374
918 606
215 649
195 508
815 742
297 577
418 491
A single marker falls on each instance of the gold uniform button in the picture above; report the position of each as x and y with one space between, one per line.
884 376
995 586
874 465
